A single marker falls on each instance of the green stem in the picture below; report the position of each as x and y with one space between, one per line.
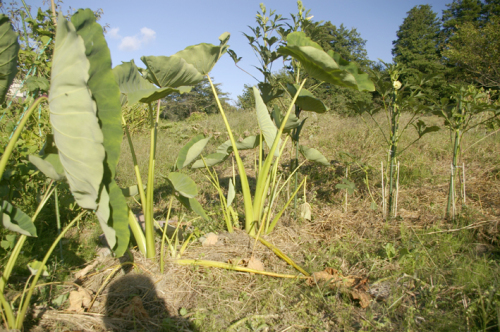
58 219
456 149
22 313
296 164
17 133
393 151
140 186
150 240
247 198
164 235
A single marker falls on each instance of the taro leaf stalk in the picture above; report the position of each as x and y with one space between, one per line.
460 117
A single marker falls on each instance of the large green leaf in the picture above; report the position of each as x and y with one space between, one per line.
106 93
268 92
211 160
191 150
266 125
194 205
251 142
204 56
77 133
135 88
306 100
292 122
16 220
328 67
9 47
183 184
313 155
50 165
171 71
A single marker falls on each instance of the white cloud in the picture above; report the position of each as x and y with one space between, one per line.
148 35
113 33
134 43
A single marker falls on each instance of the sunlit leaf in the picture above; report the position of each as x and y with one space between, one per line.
211 160
204 56
135 88
35 265
230 193
50 165
328 67
171 71
313 155
112 211
306 100
193 205
191 150
16 220
9 47
77 133
183 184
266 125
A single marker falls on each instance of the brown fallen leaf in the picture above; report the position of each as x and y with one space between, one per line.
79 300
357 286
363 297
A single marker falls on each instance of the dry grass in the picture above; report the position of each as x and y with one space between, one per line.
434 272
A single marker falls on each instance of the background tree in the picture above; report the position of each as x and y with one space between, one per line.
471 51
417 46
475 52
201 99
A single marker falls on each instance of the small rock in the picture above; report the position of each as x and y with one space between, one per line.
255 264
209 239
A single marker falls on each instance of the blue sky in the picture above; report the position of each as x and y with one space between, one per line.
148 27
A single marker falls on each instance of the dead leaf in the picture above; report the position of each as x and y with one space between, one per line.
79 300
357 286
363 297
209 239
255 264
305 211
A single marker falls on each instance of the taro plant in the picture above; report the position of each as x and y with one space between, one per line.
317 63
162 76
85 116
461 113
397 98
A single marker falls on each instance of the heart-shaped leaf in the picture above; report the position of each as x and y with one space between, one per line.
204 56
171 71
306 100
328 67
191 150
266 125
9 47
135 88
16 220
77 133
313 155
183 184
193 205
211 160
50 165
113 210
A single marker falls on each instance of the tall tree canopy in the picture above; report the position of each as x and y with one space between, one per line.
472 48
418 39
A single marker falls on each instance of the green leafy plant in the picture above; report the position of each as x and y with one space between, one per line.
397 98
461 113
